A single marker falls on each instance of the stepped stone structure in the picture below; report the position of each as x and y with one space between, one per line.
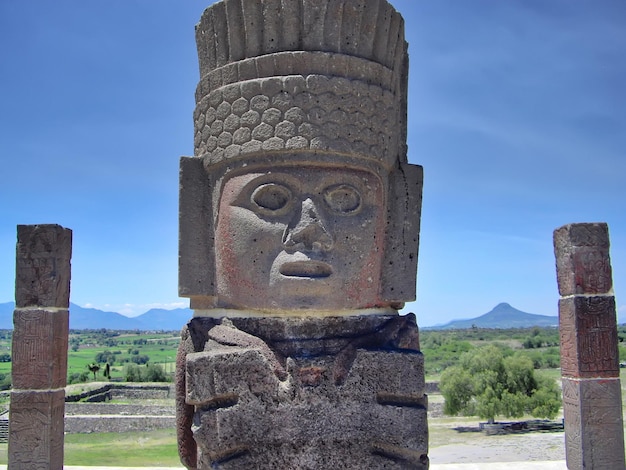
39 348
299 230
592 397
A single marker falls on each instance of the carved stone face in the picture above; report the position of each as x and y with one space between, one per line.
300 238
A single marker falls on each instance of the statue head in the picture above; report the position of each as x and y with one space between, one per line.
299 196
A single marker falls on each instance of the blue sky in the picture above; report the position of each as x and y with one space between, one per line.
517 111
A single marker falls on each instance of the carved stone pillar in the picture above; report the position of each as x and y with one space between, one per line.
299 230
594 433
39 350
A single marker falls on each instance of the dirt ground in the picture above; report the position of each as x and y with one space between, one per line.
511 448
454 440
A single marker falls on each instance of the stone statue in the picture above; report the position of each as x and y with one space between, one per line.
299 225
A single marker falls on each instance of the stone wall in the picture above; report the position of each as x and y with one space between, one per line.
113 423
73 409
111 417
124 391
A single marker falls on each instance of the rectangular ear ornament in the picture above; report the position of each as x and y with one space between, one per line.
404 207
196 255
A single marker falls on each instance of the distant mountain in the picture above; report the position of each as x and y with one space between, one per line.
502 316
161 319
91 319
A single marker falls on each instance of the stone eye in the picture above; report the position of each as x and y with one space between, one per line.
271 197
342 198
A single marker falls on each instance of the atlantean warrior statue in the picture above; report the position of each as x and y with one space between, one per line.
299 223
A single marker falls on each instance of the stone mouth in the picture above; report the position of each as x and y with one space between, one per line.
309 269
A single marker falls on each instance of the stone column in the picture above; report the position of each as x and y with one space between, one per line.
39 351
299 234
594 432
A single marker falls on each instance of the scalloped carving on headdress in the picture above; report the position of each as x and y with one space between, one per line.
301 76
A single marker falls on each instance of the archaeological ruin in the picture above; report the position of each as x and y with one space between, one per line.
299 224
39 347
299 230
592 393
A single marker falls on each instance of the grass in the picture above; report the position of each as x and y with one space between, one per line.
554 374
441 431
130 449
159 347
158 448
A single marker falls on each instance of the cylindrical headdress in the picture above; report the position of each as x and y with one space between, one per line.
327 76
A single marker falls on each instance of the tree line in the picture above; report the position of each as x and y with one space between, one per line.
490 381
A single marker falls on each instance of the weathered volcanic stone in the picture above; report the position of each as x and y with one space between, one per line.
588 335
39 352
39 347
36 430
43 266
299 234
253 407
583 263
593 423
331 98
592 403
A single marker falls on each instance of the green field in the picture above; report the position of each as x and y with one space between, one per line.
441 348
121 349
130 449
160 348
158 448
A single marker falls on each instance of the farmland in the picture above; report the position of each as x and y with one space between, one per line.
441 348
119 349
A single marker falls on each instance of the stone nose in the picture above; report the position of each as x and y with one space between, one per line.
308 231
